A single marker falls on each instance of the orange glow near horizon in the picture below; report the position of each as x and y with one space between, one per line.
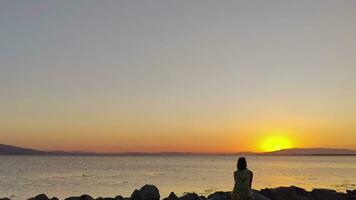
274 143
276 140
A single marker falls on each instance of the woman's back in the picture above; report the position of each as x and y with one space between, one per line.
243 181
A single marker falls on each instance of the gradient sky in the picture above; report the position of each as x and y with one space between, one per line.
204 76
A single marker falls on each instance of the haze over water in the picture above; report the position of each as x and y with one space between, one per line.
63 176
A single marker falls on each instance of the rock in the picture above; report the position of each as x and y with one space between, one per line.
171 196
105 198
42 197
203 197
119 197
325 194
5 199
190 196
136 195
220 196
149 192
83 197
351 194
286 193
258 196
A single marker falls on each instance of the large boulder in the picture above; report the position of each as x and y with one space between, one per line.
190 196
286 193
136 195
42 197
147 192
220 196
325 194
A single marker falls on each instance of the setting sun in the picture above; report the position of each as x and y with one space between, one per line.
276 142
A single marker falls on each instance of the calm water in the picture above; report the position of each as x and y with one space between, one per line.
25 176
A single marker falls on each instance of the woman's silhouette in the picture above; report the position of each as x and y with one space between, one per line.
243 181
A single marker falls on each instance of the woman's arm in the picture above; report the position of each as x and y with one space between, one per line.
251 179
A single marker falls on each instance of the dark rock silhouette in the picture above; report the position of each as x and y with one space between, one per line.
171 196
147 192
258 196
136 195
110 198
220 196
325 194
190 196
286 193
119 197
151 192
83 197
351 194
42 197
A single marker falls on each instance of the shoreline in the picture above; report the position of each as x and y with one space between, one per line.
151 192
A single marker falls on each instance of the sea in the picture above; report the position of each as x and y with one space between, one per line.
22 177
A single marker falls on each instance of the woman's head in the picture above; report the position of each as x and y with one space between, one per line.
241 163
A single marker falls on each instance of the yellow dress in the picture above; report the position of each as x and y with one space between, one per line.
242 190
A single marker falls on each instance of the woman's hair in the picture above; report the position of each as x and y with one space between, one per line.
241 163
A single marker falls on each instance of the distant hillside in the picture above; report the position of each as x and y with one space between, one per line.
312 151
12 150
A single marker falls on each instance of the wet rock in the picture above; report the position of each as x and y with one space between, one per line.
190 196
42 197
105 198
286 193
220 196
326 194
171 196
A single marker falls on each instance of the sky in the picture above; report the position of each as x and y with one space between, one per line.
166 75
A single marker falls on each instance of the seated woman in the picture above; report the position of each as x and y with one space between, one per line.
243 181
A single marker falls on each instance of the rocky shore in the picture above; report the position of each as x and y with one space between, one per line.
151 192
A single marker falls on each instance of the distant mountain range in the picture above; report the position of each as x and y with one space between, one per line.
13 150
312 151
